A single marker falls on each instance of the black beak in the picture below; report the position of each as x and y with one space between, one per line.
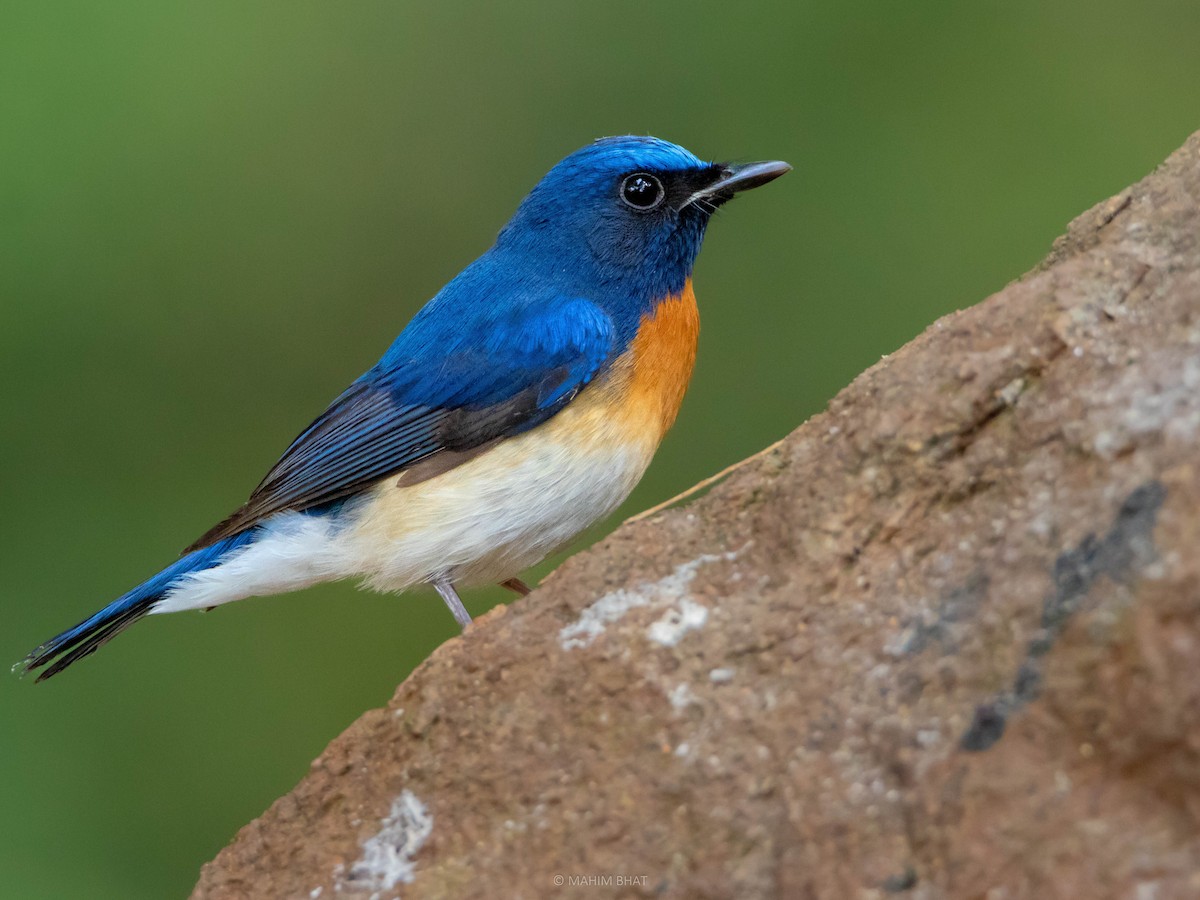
740 178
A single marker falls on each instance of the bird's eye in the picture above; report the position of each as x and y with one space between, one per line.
642 191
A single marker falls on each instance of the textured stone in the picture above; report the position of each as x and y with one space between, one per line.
942 641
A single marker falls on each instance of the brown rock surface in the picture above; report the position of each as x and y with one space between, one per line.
942 641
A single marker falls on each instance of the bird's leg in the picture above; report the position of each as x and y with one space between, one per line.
451 598
517 586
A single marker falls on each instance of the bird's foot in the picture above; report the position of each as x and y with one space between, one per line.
517 586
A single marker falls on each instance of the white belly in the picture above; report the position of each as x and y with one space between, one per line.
482 522
492 517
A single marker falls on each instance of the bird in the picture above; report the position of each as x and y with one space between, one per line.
519 406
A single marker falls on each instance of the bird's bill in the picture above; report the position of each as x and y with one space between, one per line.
737 178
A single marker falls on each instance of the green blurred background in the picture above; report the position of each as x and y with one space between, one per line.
214 216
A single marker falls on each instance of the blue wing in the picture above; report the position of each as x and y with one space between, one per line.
446 386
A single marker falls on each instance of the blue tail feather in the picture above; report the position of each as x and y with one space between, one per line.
76 643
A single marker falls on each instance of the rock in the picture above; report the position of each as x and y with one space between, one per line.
942 641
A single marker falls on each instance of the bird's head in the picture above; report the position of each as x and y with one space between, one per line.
626 213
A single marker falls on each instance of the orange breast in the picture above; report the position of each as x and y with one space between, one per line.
662 357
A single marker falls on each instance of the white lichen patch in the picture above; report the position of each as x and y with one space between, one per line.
681 696
670 589
677 622
593 621
1172 407
387 857
1165 401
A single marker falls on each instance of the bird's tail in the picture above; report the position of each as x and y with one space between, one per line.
76 643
